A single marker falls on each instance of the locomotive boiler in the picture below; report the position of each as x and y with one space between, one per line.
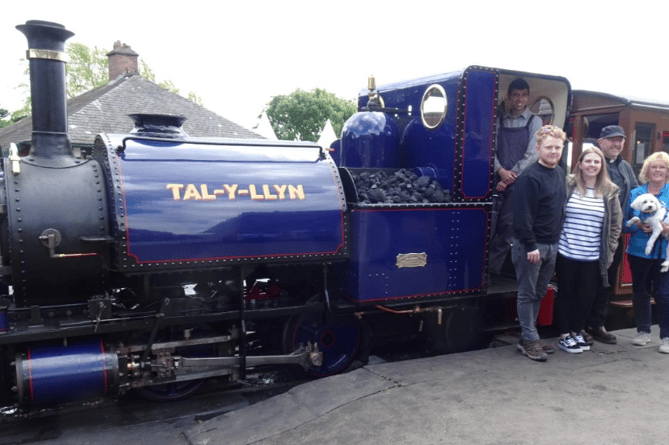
161 259
99 251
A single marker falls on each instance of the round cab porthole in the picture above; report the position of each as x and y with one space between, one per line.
543 107
433 106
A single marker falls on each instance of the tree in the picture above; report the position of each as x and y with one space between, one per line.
146 72
302 114
15 116
3 118
86 69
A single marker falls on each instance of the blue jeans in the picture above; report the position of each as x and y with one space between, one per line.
647 281
533 282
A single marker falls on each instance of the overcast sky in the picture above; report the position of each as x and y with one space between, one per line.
237 55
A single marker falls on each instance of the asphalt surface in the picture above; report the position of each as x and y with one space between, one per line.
613 394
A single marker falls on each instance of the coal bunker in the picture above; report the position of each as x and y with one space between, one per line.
401 186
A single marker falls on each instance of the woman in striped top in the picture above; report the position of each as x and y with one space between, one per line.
589 238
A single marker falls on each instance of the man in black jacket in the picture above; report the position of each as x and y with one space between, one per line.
539 199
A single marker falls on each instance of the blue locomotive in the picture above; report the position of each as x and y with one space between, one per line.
162 260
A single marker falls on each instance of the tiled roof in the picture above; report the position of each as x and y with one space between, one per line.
106 109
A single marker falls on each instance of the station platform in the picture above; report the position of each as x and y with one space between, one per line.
612 394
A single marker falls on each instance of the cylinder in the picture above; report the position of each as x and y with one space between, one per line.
49 375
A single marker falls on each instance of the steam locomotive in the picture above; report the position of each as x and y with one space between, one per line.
162 260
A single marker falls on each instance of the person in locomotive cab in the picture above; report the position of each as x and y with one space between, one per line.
516 149
611 141
539 201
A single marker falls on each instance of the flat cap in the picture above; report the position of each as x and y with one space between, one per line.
612 131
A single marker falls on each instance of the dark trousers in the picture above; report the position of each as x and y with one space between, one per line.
577 285
502 231
649 281
600 304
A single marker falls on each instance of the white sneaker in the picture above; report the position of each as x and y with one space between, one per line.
581 342
641 339
568 344
664 347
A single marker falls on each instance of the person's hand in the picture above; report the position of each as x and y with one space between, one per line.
665 229
507 176
644 227
501 186
534 257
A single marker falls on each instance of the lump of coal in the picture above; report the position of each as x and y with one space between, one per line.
376 195
398 187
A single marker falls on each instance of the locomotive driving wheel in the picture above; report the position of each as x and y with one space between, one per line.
338 338
171 391
174 391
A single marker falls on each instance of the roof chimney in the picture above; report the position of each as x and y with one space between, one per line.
122 60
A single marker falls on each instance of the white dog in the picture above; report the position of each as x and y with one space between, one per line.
649 204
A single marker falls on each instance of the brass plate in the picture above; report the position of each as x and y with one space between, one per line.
411 260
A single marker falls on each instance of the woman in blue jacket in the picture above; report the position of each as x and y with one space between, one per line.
646 276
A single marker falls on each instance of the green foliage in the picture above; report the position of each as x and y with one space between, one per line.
86 69
169 86
146 72
301 115
3 118
193 97
19 114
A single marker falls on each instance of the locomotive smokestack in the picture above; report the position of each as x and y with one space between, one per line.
46 52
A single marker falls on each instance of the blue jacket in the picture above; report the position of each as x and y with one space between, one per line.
639 238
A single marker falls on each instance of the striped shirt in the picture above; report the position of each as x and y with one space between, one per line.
582 232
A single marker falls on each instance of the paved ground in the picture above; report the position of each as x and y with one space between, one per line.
613 394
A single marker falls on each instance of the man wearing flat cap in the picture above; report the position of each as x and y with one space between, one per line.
611 142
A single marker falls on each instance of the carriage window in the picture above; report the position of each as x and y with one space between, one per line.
643 138
433 107
543 107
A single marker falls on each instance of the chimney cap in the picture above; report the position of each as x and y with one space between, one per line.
122 48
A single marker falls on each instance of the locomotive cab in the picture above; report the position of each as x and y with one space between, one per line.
423 225
416 246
